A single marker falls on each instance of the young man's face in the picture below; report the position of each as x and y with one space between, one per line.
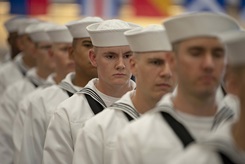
153 74
12 41
112 64
43 57
200 65
60 54
80 55
27 45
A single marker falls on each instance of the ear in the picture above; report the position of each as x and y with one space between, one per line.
231 82
132 64
9 40
71 53
92 57
171 59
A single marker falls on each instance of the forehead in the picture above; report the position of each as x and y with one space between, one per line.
25 36
56 46
201 42
61 44
44 44
116 49
80 40
149 55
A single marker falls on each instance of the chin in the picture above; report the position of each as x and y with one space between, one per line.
120 81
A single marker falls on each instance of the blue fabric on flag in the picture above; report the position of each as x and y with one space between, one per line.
205 5
18 7
242 9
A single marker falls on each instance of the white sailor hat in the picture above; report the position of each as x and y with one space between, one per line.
234 43
12 24
78 28
59 34
150 38
24 24
109 33
37 32
198 24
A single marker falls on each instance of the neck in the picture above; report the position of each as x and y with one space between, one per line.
81 79
238 130
142 103
58 78
43 74
194 105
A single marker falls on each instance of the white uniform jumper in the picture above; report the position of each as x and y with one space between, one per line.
8 108
11 72
68 119
96 140
37 118
150 139
208 151
4 58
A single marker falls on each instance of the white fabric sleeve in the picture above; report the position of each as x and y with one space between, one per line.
88 147
126 149
58 146
34 132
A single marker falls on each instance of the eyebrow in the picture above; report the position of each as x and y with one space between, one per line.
202 48
86 41
219 49
110 53
196 48
155 58
128 52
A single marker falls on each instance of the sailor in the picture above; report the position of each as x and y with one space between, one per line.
226 145
16 68
11 26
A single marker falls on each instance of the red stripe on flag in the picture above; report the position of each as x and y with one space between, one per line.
99 8
37 7
146 8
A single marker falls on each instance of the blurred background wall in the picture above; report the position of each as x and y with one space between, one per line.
142 12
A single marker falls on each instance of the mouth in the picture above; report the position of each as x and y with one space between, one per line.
207 78
119 74
164 85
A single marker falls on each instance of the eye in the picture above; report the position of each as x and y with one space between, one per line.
195 52
110 56
218 54
157 62
65 49
88 45
46 48
127 55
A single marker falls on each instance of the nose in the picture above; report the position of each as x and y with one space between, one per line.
166 71
120 64
208 62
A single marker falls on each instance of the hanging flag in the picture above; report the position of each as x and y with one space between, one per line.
28 7
205 5
151 7
242 9
102 8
